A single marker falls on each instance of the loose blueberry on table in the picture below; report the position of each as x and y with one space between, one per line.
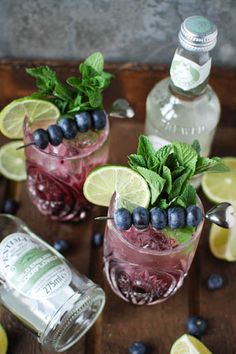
61 246
215 281
196 326
138 348
97 239
10 206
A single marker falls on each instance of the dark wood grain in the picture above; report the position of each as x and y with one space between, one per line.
121 323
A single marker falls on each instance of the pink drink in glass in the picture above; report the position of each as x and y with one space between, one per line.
145 267
55 176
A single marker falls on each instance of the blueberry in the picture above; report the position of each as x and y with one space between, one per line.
196 325
138 348
140 218
123 219
194 215
55 134
68 127
61 246
176 217
215 282
97 239
40 138
158 218
98 119
10 206
83 121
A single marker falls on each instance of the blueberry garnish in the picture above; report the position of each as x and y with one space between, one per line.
158 218
194 215
123 219
215 281
98 119
196 325
176 217
40 138
55 134
61 246
68 127
83 121
10 206
97 240
138 348
140 218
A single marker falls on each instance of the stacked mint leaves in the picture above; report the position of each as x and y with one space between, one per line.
168 171
79 93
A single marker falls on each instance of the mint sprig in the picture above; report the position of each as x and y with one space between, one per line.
79 93
168 170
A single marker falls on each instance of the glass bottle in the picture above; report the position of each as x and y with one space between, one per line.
183 106
39 287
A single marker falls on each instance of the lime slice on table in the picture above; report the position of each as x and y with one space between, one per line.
187 344
222 242
12 161
220 187
13 115
130 186
3 341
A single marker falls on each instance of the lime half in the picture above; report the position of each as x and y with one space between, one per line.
220 187
12 161
222 242
187 344
3 341
128 184
13 115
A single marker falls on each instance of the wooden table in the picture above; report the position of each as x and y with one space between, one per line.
121 323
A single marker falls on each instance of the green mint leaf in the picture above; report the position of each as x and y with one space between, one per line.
166 174
95 99
196 146
153 163
188 197
178 172
135 161
145 148
155 182
211 165
61 105
74 82
46 78
62 92
186 155
179 185
181 235
163 153
172 162
163 203
96 61
37 95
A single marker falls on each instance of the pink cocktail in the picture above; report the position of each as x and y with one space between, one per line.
55 176
145 267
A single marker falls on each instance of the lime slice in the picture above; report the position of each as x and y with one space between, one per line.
187 344
13 115
128 184
219 187
3 341
12 161
222 242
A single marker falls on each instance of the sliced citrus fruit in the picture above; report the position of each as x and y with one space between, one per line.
128 184
13 115
3 341
12 161
187 344
219 187
222 242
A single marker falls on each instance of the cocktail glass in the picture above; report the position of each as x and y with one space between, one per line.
145 267
55 176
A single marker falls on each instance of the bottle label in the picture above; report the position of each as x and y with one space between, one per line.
31 268
186 74
158 142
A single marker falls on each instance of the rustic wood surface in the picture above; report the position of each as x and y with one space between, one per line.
121 323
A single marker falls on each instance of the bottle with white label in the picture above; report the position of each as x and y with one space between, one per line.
39 287
183 106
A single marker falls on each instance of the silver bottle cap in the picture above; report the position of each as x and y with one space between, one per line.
198 34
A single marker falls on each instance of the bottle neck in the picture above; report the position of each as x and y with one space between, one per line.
190 72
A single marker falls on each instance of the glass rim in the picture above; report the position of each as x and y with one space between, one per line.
179 248
85 154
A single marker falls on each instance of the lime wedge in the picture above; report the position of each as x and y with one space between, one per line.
219 187
12 161
128 184
187 344
3 341
13 115
222 242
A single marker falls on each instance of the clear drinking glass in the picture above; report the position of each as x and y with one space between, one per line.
39 287
55 176
145 267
